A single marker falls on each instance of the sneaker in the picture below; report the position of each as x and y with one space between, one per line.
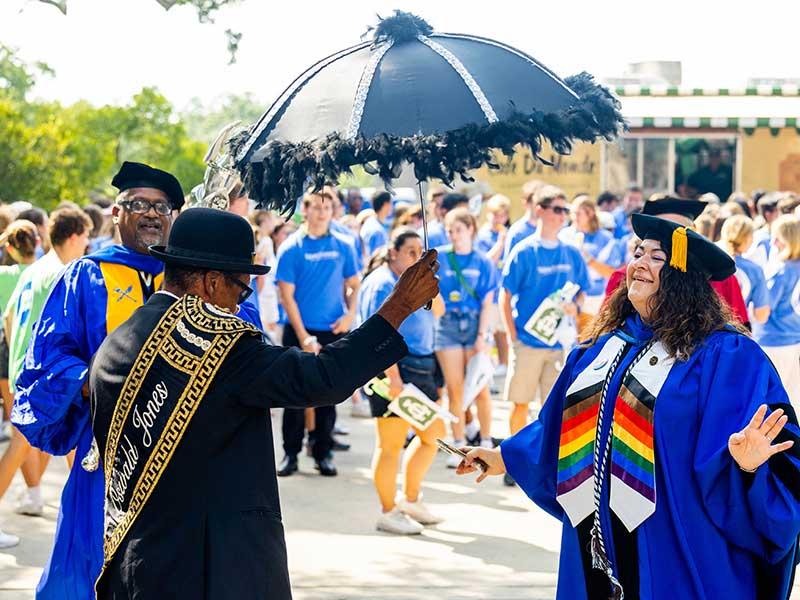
487 443
361 410
416 510
341 430
453 460
396 522
9 541
472 430
26 505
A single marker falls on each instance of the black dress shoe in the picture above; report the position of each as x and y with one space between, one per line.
340 446
288 466
326 467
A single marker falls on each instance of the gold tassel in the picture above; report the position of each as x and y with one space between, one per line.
680 249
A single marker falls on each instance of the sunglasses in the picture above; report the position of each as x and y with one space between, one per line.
559 210
245 292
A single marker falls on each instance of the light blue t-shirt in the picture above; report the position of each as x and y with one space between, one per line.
601 246
623 227
479 273
534 270
355 239
437 236
417 329
318 268
518 231
752 281
783 326
486 238
373 235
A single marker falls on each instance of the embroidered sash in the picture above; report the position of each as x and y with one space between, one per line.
631 446
174 369
633 475
128 289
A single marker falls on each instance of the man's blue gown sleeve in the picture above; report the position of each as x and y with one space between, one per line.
49 408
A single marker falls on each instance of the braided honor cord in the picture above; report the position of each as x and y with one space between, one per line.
598 547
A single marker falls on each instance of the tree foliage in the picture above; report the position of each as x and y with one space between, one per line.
50 152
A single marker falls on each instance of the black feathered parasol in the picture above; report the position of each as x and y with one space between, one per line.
440 102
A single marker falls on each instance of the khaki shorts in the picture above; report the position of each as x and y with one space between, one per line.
532 372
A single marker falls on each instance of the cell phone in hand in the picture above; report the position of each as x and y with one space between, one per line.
458 452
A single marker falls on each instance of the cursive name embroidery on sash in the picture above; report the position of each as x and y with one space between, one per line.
121 477
145 419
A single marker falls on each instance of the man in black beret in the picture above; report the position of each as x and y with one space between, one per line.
93 296
181 394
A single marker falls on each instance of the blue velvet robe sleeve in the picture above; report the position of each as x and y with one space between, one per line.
531 455
49 408
761 512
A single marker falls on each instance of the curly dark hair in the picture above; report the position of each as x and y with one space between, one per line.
685 310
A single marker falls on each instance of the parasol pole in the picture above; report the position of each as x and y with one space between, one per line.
424 216
424 227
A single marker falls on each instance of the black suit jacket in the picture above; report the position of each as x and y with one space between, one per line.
212 527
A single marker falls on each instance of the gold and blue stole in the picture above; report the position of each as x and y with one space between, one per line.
127 289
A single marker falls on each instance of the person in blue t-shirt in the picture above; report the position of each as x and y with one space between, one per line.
318 285
632 202
600 251
374 232
736 239
467 280
491 241
437 236
780 335
525 226
536 268
404 512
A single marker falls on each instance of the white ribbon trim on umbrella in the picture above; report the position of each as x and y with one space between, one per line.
360 100
465 75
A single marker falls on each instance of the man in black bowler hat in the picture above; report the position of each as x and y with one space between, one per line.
181 394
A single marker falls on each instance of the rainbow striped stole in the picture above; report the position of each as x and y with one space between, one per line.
575 477
632 467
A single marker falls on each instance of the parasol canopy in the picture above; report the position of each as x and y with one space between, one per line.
441 102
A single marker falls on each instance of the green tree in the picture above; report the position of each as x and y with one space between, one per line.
203 123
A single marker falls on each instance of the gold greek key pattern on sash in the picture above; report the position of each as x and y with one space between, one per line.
134 380
176 426
208 321
178 357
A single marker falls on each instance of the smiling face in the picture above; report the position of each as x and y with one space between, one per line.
644 275
139 231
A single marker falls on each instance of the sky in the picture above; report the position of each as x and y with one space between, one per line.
104 51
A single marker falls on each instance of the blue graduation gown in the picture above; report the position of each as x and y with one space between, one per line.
716 531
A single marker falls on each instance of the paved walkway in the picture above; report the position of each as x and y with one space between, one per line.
494 543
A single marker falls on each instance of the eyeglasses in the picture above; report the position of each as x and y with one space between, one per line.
559 210
142 207
246 289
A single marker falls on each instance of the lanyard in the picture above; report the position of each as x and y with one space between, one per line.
451 259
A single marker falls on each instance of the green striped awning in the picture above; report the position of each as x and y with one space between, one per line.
712 122
665 90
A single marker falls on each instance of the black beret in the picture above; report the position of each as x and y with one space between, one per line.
140 175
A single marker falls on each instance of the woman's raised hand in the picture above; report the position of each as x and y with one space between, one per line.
752 446
491 456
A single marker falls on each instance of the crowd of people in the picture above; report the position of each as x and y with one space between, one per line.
521 293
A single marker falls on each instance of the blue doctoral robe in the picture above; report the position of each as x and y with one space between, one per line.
52 414
716 531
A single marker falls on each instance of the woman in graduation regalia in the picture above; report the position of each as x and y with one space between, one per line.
666 446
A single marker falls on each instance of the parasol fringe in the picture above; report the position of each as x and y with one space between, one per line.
286 170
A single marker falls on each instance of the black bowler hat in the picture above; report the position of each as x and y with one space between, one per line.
691 209
687 249
139 175
207 238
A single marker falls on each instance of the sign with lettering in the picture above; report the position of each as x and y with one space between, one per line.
578 172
